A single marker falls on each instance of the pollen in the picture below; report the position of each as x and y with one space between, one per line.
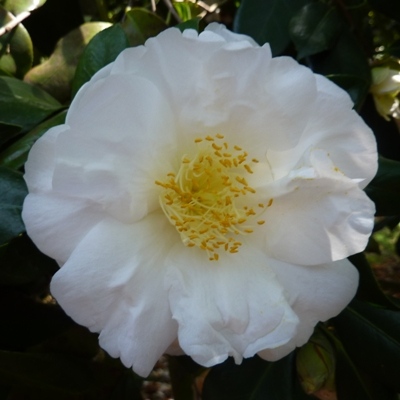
209 200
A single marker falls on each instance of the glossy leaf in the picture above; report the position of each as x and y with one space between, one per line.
24 105
371 336
101 50
12 194
254 379
16 155
16 50
141 24
56 74
384 189
267 21
315 28
18 6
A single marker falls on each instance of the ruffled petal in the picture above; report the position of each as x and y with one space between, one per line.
317 215
316 293
113 284
233 307
117 146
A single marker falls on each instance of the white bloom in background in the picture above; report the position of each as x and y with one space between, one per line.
202 197
385 89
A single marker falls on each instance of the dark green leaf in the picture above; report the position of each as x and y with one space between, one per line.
315 28
55 75
21 263
7 132
12 194
346 65
16 155
141 24
24 105
101 50
191 24
16 50
267 21
18 6
371 336
384 189
254 379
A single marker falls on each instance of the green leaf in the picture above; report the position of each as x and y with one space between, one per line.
22 263
24 105
267 21
12 194
18 6
16 50
371 336
56 74
346 65
315 28
384 190
188 10
190 24
141 24
16 155
7 132
254 379
101 50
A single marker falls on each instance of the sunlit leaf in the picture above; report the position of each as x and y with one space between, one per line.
16 50
24 105
267 21
55 75
12 193
101 50
187 10
15 156
315 28
141 24
18 6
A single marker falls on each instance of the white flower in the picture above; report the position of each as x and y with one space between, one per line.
202 198
385 89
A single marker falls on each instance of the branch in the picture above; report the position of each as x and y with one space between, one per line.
14 22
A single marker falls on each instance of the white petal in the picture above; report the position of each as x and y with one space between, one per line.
316 293
117 146
233 307
228 35
113 284
57 223
317 215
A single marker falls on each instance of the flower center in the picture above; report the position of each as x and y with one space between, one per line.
209 200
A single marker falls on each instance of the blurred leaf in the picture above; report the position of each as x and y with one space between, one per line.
56 74
267 21
141 24
21 263
16 51
16 155
368 288
314 28
254 379
346 65
18 6
371 336
12 194
101 50
384 190
388 7
187 10
190 24
8 131
24 105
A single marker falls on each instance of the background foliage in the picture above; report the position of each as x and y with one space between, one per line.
44 61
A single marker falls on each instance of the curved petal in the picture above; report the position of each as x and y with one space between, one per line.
232 307
117 146
316 293
317 215
113 284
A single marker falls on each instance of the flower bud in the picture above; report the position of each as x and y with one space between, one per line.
385 89
315 364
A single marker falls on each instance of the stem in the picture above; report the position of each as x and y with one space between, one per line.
14 22
172 10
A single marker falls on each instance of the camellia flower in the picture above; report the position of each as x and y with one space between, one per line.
385 89
202 198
